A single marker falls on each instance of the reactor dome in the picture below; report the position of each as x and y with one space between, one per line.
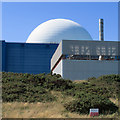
55 30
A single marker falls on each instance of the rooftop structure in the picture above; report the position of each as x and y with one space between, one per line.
55 30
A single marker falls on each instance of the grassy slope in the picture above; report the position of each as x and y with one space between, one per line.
52 108
43 110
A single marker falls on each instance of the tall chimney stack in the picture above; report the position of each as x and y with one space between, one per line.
101 30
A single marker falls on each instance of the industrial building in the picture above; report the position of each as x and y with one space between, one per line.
63 47
27 57
79 60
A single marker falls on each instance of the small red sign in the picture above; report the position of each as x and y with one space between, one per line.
94 112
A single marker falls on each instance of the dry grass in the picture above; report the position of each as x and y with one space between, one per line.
115 101
80 81
31 110
42 110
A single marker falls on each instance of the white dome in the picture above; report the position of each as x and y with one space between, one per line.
55 30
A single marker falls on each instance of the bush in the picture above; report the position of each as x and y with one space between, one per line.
91 78
30 88
93 93
83 104
25 88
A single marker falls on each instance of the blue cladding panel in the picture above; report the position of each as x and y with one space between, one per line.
29 57
2 55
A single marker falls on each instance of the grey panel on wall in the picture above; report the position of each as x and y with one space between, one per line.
81 47
83 69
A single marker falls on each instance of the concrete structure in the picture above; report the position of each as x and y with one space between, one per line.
77 57
27 57
55 30
79 60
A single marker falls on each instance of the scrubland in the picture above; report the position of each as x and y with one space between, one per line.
50 96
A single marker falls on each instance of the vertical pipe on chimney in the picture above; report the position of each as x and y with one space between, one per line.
101 35
101 30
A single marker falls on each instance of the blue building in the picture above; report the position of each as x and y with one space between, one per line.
27 57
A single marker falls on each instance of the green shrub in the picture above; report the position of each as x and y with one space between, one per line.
91 78
25 88
83 104
94 92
